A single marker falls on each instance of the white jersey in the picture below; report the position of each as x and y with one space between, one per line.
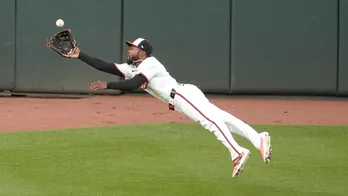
159 82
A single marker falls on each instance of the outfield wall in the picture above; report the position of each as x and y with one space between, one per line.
225 46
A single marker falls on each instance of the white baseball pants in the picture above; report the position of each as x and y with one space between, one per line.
190 100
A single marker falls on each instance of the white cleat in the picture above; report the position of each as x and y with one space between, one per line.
265 147
239 163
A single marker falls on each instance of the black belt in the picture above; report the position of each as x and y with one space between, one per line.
172 95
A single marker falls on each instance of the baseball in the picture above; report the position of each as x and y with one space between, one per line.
59 23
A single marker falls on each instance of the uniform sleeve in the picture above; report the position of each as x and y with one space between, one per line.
125 69
99 64
127 85
148 71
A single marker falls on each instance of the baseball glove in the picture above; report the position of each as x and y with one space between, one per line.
63 43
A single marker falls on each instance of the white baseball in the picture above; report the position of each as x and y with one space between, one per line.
59 23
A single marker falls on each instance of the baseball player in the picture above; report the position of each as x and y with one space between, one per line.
143 70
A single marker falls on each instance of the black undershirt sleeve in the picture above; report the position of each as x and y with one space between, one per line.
100 64
128 85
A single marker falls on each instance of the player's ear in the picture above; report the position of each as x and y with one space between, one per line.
142 53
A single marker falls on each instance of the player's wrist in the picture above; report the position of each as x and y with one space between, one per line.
79 55
108 85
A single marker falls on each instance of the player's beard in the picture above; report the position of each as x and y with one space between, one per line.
132 60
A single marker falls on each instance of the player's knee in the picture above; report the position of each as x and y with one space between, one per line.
210 124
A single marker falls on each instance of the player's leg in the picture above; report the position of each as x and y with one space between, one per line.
239 127
192 102
261 141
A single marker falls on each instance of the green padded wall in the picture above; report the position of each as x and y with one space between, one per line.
96 27
283 46
7 44
191 38
249 46
343 49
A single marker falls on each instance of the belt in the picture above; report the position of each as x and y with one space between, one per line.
172 95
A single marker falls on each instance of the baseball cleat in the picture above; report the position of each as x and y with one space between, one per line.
265 147
239 163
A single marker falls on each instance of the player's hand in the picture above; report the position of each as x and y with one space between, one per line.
76 54
98 86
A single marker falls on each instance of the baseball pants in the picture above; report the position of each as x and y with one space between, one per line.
188 99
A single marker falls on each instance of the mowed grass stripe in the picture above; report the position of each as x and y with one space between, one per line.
170 159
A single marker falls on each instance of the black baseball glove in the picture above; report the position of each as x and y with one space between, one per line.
63 43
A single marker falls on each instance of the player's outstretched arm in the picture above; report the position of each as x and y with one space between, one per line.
97 63
123 85
100 64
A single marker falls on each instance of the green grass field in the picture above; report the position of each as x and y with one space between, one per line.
170 159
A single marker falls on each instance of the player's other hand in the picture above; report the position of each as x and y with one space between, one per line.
98 86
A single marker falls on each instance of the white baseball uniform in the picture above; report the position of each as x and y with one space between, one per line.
188 99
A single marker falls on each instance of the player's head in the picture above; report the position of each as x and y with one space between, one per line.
139 50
